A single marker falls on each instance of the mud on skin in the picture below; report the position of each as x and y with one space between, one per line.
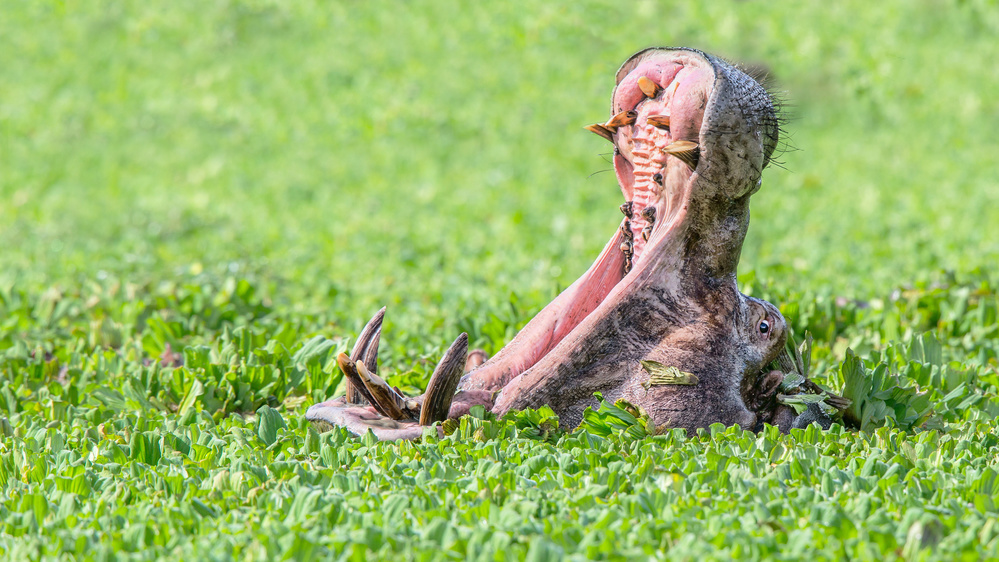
692 135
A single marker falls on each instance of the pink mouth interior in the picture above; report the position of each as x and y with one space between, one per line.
649 178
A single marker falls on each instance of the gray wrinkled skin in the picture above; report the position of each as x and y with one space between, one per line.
679 305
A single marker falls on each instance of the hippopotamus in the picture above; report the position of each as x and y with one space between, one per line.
658 319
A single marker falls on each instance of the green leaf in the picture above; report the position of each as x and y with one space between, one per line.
791 381
197 356
620 417
269 421
800 402
196 390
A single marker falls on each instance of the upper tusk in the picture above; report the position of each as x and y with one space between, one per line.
648 87
686 151
661 121
599 129
621 119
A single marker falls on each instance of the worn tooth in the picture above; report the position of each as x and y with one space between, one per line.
648 87
660 121
621 119
626 227
658 178
601 130
626 246
628 208
444 382
649 214
686 151
384 398
366 349
647 232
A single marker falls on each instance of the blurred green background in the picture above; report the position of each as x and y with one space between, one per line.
202 202
430 155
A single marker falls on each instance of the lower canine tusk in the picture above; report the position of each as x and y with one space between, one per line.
444 382
366 350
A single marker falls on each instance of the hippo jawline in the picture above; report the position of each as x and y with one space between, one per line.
691 137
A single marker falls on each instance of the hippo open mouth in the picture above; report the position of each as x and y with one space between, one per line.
657 319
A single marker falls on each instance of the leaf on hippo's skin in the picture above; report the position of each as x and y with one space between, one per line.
800 402
661 375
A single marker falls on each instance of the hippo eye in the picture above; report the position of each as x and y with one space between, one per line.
764 326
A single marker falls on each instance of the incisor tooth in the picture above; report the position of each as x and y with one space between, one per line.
648 87
386 399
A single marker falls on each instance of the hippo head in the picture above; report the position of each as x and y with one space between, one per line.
657 319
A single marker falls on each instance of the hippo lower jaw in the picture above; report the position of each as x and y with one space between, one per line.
692 135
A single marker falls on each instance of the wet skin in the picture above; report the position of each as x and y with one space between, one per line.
692 135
